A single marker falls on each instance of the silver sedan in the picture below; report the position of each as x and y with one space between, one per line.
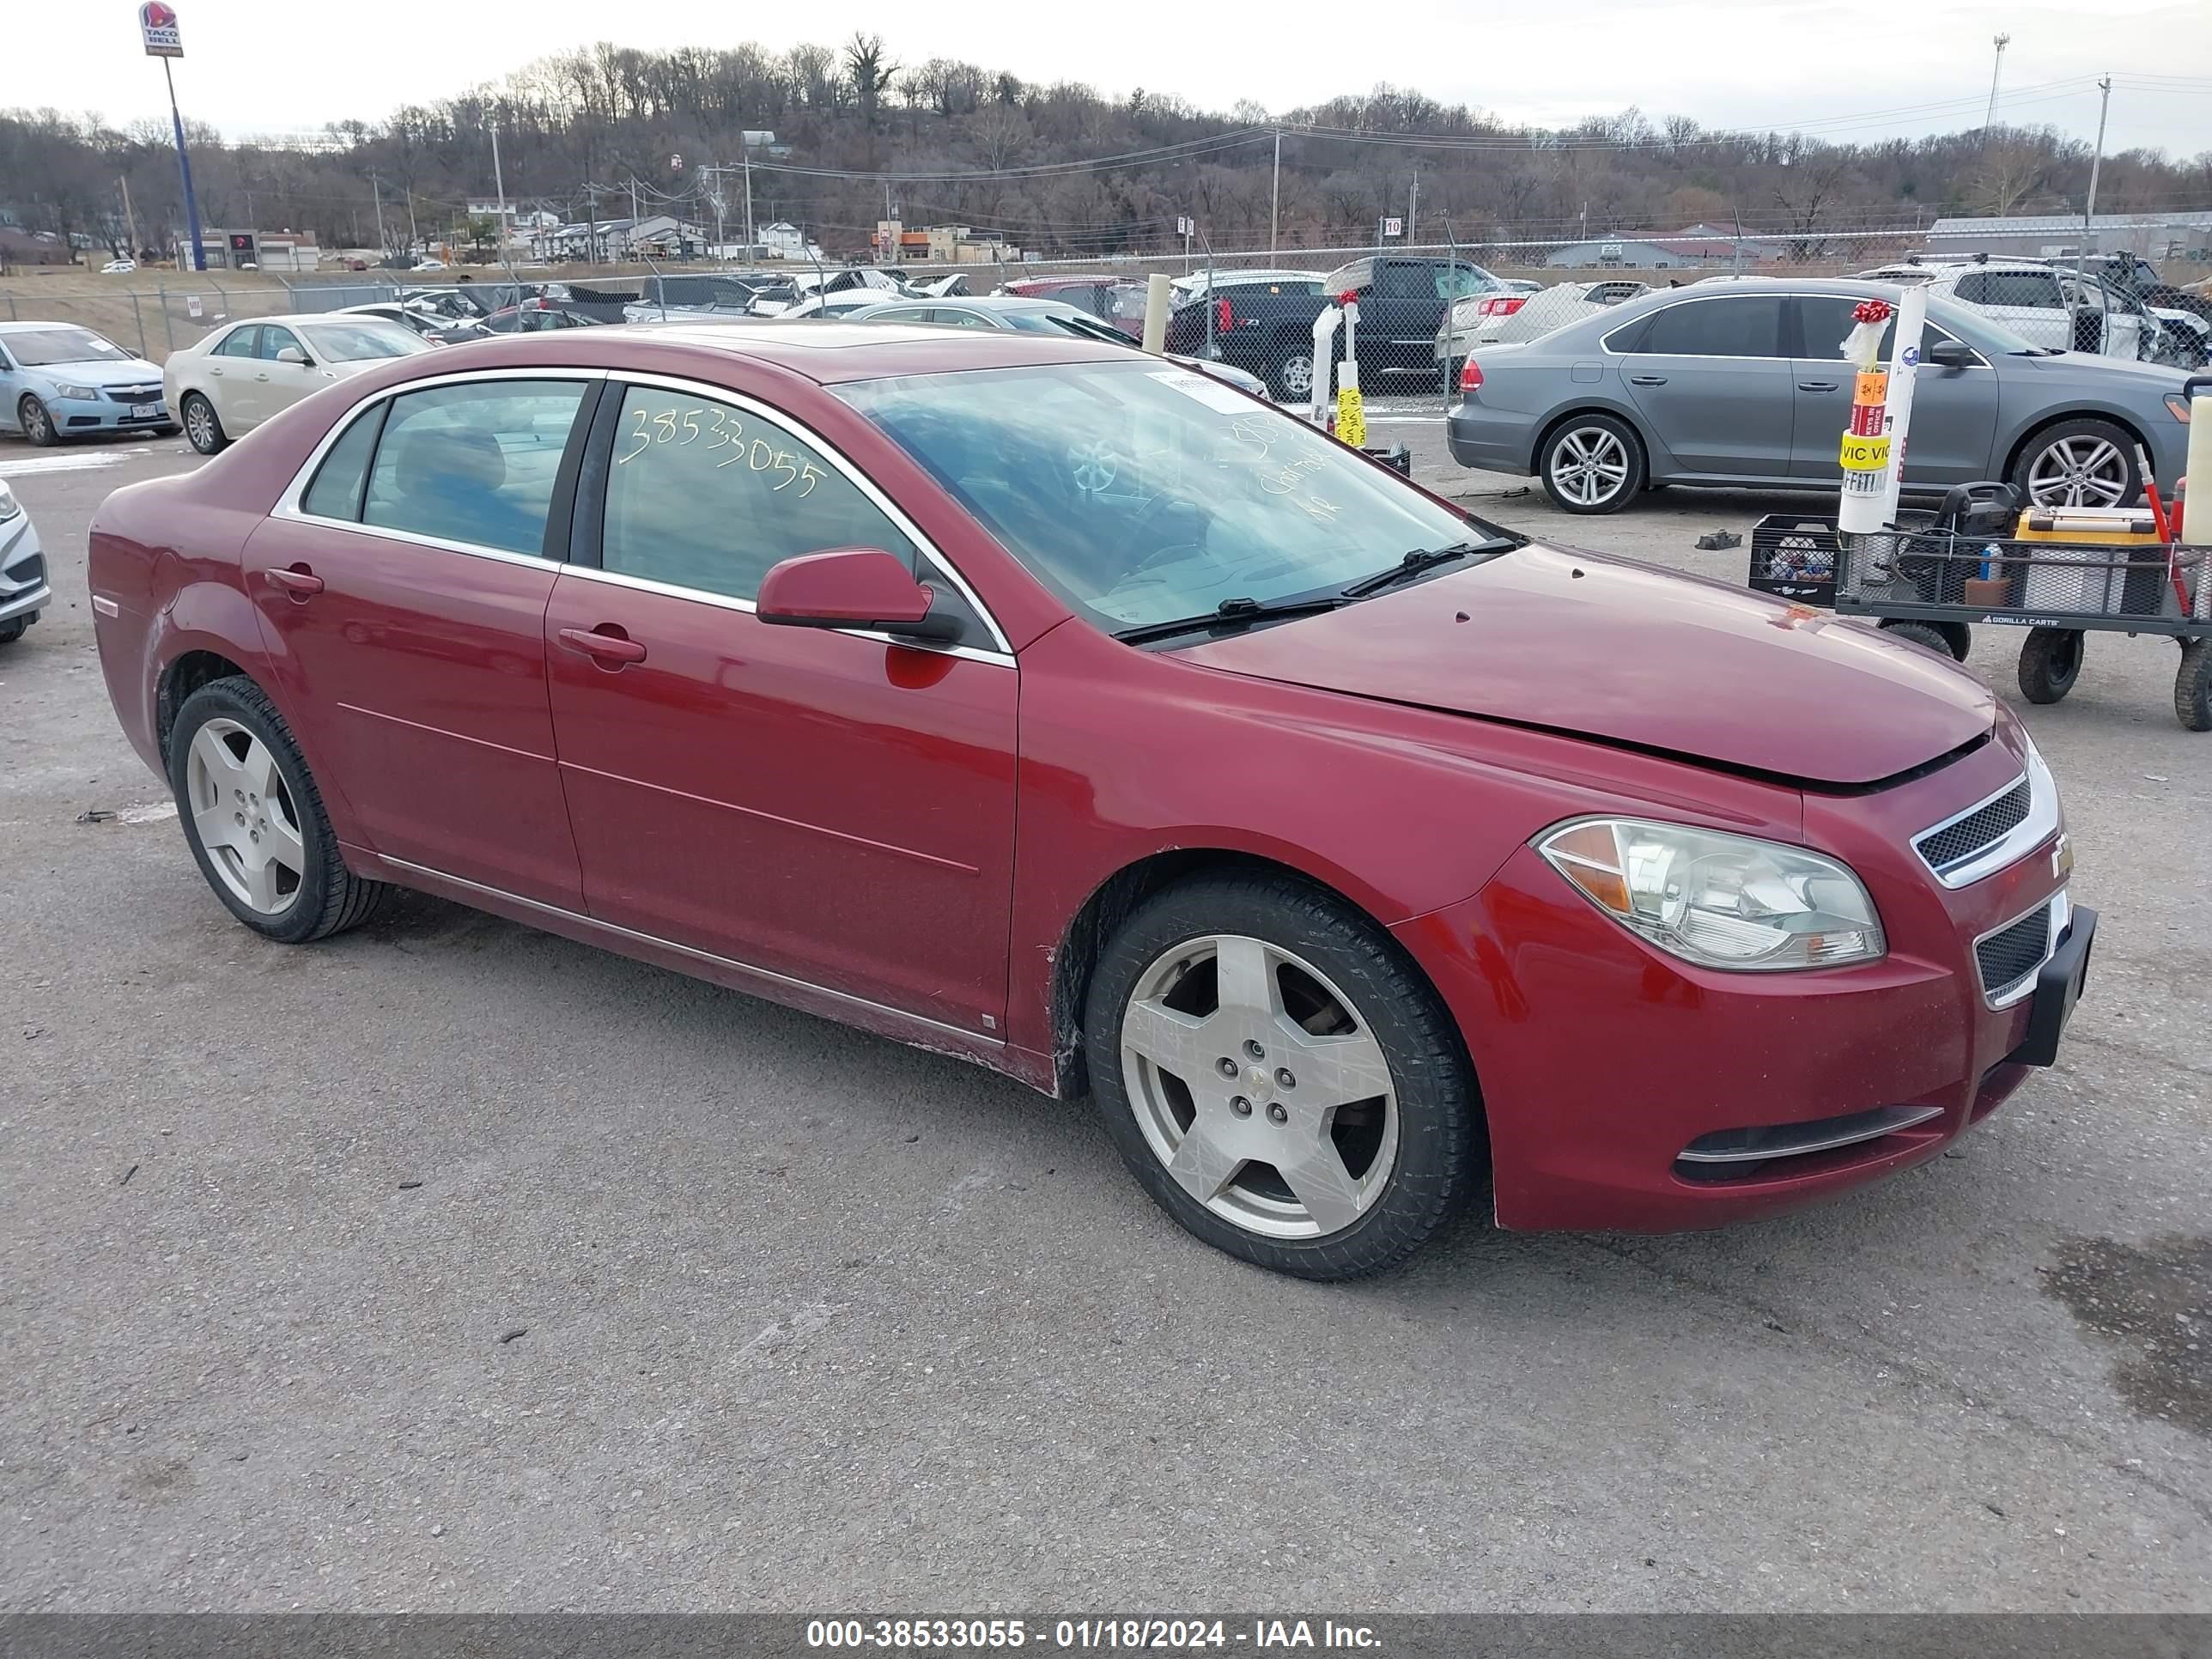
1739 381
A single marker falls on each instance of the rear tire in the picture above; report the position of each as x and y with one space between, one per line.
229 740
1290 375
1326 1109
2193 686
2050 663
12 629
1592 463
1927 635
203 425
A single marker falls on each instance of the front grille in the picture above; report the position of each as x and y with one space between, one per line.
135 394
1955 844
2011 955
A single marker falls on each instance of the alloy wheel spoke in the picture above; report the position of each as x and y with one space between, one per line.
218 826
282 844
1202 1165
1334 1071
258 874
1175 1043
1316 1176
1243 977
222 767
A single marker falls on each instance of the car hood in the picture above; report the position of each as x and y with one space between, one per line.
1625 652
100 372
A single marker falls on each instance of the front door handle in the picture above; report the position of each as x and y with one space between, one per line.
296 580
1647 380
610 649
262 376
1818 386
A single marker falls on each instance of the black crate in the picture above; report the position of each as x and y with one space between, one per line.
1794 556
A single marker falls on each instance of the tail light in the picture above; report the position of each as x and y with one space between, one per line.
1501 305
1224 318
1470 378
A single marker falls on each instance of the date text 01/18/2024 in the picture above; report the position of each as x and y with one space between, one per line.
1090 1634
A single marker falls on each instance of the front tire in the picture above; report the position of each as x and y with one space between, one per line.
1593 464
2083 463
38 422
1922 634
1291 376
255 820
203 425
2050 663
1280 1076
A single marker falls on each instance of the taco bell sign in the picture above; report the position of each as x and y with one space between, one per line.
157 22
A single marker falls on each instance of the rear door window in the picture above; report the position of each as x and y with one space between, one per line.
1741 326
336 491
2035 290
239 342
474 463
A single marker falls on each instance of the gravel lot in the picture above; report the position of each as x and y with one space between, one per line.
448 1265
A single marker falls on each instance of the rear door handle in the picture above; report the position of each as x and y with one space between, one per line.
1817 385
613 649
262 376
297 581
1647 380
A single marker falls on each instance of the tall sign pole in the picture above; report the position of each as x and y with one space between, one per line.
157 26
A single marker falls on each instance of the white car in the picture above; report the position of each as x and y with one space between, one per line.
23 589
246 372
1526 311
428 264
118 267
2042 303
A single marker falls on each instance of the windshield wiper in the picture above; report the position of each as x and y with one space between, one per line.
1420 559
1231 615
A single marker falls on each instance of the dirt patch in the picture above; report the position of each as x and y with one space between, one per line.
2155 1303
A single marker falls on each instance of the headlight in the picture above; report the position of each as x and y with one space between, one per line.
1719 901
9 507
82 394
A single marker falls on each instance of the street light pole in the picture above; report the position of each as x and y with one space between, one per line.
184 166
1990 120
1275 199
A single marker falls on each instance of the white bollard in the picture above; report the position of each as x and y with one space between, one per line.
1324 338
1903 369
1158 297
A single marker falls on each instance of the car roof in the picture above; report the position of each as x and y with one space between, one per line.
829 353
24 326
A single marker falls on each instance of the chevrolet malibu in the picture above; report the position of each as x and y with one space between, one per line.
1037 702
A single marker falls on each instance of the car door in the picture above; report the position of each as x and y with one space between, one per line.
2029 302
1713 383
233 368
826 805
401 586
278 384
1954 411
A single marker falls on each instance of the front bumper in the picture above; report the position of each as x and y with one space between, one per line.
1602 1061
24 588
78 417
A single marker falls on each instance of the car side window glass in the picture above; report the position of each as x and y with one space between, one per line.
1742 325
1401 282
704 495
239 342
274 340
1823 320
473 463
2035 290
335 492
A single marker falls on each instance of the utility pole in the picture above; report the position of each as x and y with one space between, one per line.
414 239
2089 206
383 242
745 144
499 185
130 219
633 213
592 224
1990 120
1275 199
1413 209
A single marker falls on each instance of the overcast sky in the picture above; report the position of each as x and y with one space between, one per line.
259 66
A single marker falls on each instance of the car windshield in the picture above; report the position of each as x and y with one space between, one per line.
350 343
1142 495
1080 324
35 348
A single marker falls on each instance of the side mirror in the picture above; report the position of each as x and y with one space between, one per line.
1952 354
852 587
292 355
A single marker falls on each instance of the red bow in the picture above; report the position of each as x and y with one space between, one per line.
1871 311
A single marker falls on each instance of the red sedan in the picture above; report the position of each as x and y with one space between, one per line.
1035 702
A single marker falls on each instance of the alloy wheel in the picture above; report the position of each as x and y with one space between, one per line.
1258 1087
1589 464
244 816
1297 375
38 424
199 424
2079 471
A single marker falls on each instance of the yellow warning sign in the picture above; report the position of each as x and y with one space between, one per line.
1871 389
1864 454
1351 417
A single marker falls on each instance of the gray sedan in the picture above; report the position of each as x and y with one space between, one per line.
1738 380
1025 314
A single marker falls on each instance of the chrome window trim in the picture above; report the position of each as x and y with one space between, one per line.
2023 838
597 925
2062 912
859 480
